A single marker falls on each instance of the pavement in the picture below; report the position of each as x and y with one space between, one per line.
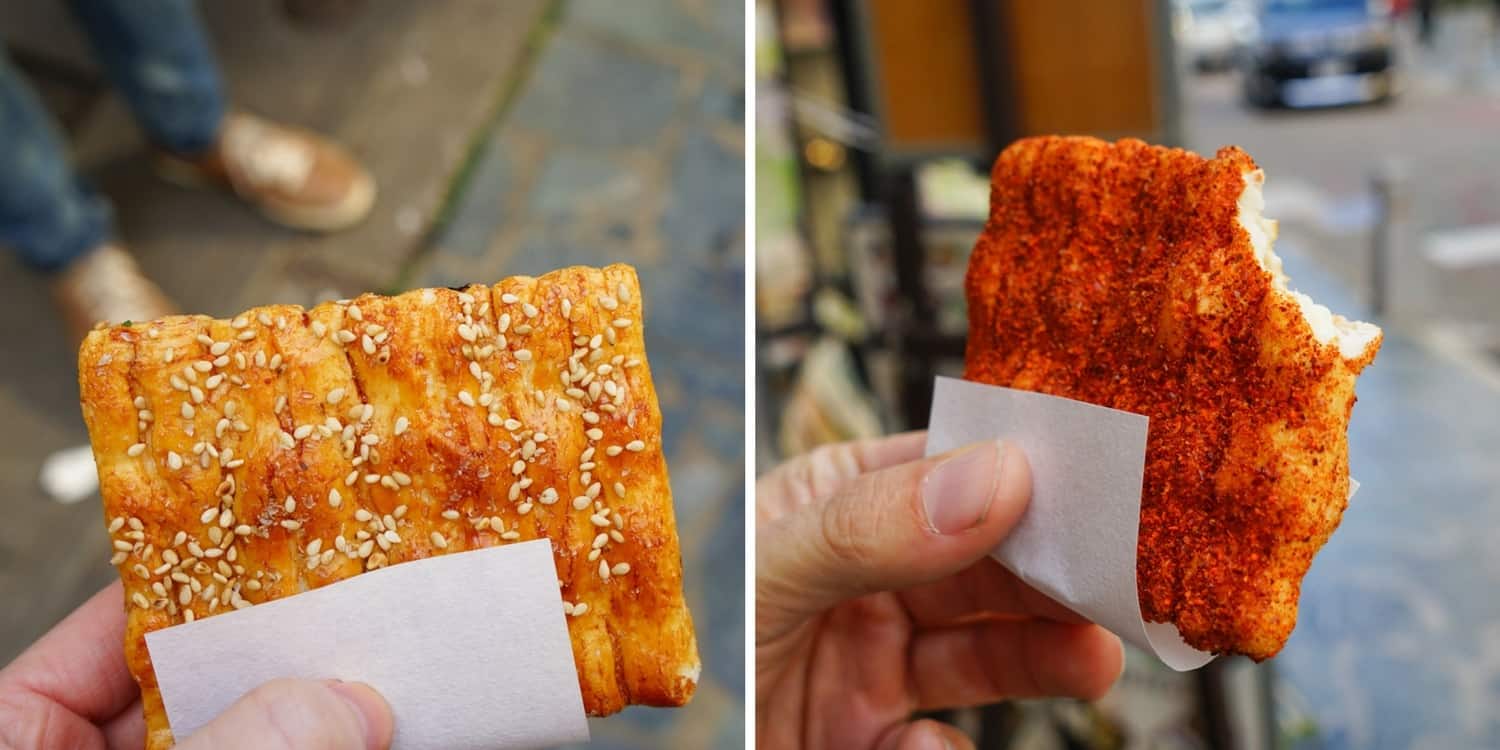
508 138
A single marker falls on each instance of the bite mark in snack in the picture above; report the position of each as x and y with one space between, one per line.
1143 278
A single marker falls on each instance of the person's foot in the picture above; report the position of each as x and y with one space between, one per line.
296 178
106 285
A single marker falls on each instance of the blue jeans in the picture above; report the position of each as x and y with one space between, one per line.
156 53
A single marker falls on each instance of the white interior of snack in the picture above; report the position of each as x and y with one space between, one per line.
1350 336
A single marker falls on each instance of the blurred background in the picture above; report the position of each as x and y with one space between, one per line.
506 138
1375 122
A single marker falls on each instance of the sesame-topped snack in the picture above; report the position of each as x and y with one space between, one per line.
1143 278
245 460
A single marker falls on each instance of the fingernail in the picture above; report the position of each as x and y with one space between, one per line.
957 494
373 711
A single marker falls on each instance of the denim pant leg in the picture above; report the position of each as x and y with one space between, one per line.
158 55
47 215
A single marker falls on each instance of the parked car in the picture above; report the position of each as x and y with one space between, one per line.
1210 32
1314 53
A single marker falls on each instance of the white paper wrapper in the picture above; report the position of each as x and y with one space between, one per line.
1076 543
470 649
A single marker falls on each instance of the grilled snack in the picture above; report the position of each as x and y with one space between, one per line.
241 461
1142 278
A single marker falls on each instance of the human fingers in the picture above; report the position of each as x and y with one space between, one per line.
987 662
888 530
31 720
828 468
924 734
296 714
982 589
127 730
80 663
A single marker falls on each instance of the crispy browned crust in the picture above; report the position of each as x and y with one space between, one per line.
634 644
1118 274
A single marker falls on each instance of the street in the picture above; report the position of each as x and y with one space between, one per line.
1437 134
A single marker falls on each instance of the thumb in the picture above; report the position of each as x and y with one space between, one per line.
888 530
296 714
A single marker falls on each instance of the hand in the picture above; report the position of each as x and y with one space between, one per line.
875 597
71 689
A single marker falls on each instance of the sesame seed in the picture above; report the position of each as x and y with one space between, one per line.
135 450
187 410
354 312
439 541
402 479
291 524
344 336
220 361
314 546
467 332
512 425
493 419
529 309
466 398
604 569
523 355
275 363
524 508
241 530
218 348
389 483
609 303
391 536
580 609
123 546
509 299
351 478
635 446
197 367
596 519
564 405
594 433
169 355
336 395
518 468
622 322
302 431
366 548
368 344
